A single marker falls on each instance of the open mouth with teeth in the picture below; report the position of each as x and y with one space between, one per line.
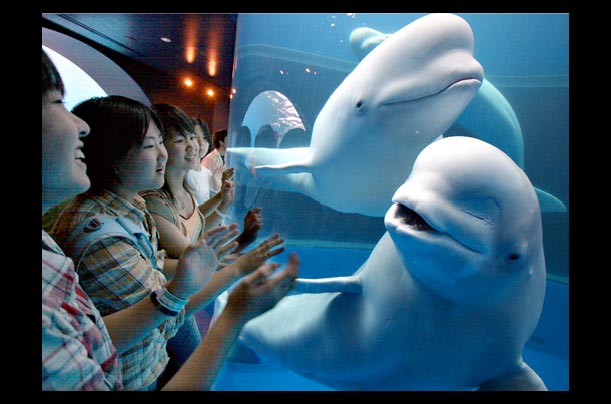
411 218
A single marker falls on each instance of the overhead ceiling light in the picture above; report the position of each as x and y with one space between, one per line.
165 39
190 52
212 67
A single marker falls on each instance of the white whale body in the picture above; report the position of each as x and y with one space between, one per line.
447 298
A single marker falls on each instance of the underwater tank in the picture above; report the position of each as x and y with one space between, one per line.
287 71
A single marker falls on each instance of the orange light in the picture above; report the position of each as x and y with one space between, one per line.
188 82
210 92
190 53
191 38
212 67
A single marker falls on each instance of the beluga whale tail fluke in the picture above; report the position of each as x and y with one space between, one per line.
447 298
404 94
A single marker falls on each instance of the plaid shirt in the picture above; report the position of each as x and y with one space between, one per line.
77 353
115 275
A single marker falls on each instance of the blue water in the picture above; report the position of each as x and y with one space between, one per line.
505 44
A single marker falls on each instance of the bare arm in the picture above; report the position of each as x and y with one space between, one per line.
208 207
225 200
255 294
127 327
169 267
170 237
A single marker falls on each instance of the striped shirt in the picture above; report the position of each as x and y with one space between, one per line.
116 275
77 353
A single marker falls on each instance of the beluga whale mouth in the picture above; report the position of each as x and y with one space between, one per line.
462 82
411 218
428 228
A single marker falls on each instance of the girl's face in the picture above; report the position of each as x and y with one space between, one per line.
144 166
183 150
64 173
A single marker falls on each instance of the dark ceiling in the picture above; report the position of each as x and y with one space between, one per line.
200 43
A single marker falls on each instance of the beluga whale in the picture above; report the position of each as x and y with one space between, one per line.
488 117
404 94
448 296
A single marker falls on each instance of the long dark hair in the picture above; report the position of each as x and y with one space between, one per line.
116 125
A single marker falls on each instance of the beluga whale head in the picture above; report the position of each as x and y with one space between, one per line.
467 221
404 93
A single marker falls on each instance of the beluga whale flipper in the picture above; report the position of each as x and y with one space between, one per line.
488 117
402 96
448 296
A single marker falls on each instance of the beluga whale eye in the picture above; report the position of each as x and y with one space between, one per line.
516 252
512 257
360 106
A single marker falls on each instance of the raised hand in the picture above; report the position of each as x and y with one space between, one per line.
227 173
252 224
256 257
227 187
260 290
218 239
199 261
